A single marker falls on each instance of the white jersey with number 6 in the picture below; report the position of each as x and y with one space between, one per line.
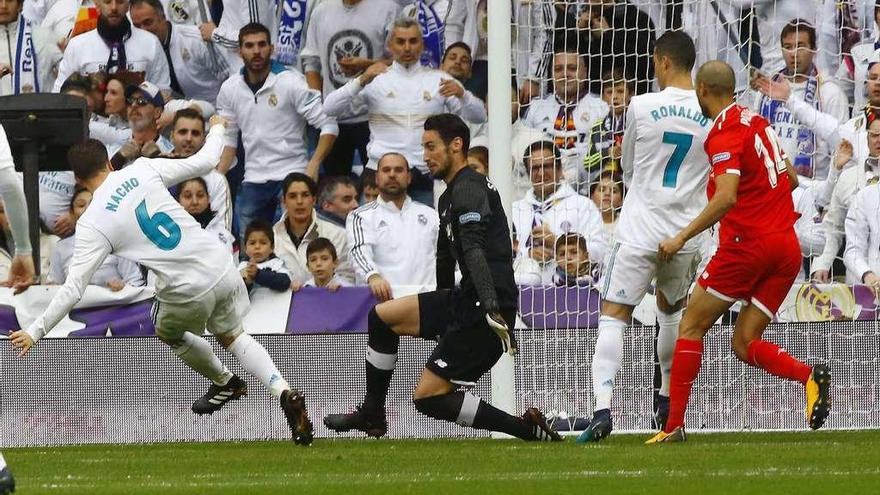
665 168
132 215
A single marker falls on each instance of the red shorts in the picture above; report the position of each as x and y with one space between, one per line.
758 271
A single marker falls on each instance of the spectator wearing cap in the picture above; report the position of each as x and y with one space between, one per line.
271 105
195 70
393 239
29 55
145 105
337 197
399 98
115 45
344 38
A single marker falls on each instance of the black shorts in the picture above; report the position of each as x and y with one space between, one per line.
466 347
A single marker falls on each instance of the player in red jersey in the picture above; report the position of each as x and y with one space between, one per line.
758 255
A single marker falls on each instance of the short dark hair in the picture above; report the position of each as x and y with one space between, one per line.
299 177
481 153
321 244
678 47
612 175
615 76
76 192
458 44
449 127
328 185
77 82
188 113
178 189
87 159
537 146
253 28
260 225
799 25
568 239
156 4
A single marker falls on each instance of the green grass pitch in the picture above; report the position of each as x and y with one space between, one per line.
797 462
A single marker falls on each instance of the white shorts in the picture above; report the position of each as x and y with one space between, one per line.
220 310
630 270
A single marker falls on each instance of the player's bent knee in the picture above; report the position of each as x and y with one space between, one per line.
175 341
617 311
740 345
226 339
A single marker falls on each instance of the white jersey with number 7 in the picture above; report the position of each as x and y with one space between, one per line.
665 168
133 216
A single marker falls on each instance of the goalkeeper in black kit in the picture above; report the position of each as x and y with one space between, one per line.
472 324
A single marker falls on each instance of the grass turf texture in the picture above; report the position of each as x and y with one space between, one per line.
805 462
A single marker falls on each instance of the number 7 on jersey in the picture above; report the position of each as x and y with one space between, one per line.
682 143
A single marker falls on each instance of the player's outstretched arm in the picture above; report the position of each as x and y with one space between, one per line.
724 199
21 274
174 171
90 250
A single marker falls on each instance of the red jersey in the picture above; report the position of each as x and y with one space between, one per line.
742 142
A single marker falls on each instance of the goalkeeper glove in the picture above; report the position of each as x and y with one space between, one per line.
499 326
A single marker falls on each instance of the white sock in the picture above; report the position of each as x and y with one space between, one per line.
256 361
196 352
2 462
666 338
606 359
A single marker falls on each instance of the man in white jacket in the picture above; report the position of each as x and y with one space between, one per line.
552 208
394 239
115 45
862 254
398 100
271 105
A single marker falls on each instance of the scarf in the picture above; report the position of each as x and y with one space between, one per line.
561 278
291 19
806 140
115 37
205 217
25 79
433 29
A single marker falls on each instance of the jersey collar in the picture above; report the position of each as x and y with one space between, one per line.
722 112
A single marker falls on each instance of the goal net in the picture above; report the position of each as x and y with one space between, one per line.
575 66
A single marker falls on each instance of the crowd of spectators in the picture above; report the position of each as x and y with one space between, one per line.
323 182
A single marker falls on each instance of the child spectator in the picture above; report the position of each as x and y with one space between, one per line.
322 263
370 191
606 134
478 159
607 193
573 265
114 273
263 269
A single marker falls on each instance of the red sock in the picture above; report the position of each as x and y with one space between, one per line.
685 367
774 360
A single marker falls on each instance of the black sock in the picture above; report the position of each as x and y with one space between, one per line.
469 410
382 345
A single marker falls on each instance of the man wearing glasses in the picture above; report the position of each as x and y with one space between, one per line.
145 105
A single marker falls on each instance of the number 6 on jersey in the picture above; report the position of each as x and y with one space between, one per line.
160 229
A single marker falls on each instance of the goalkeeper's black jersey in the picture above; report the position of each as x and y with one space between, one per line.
472 220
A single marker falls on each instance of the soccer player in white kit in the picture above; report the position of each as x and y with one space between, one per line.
21 273
666 170
132 215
